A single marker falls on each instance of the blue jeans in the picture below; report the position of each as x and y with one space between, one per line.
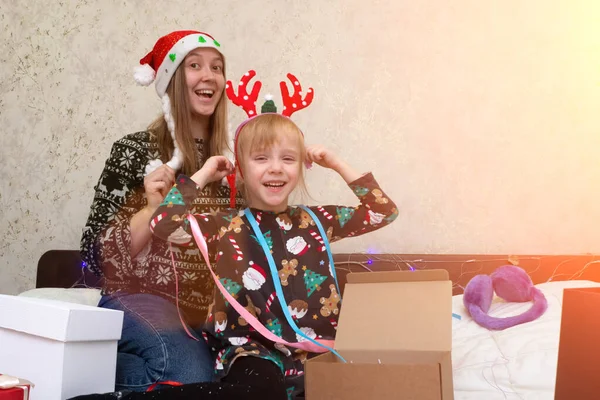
154 347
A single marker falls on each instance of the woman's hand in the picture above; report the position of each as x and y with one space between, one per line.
157 185
214 169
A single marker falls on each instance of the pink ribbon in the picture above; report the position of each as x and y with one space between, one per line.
251 319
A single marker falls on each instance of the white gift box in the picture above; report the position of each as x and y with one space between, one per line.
64 349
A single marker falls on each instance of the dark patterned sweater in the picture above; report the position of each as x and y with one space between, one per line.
106 241
302 264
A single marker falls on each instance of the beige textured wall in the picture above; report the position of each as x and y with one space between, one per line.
480 118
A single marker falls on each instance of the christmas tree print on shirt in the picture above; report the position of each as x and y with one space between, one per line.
232 288
174 197
289 392
359 190
312 281
268 239
276 358
274 326
344 214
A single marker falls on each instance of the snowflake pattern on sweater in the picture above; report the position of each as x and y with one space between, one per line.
303 270
105 243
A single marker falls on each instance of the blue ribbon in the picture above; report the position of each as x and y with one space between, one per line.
277 283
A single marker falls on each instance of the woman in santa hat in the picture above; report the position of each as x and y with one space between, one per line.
188 70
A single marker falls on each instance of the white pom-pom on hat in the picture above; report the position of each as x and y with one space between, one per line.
268 97
152 165
144 75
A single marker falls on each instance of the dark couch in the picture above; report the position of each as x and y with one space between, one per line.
64 269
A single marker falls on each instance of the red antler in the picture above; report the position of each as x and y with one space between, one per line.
243 99
293 103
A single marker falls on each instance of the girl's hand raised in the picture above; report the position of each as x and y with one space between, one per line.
328 159
322 156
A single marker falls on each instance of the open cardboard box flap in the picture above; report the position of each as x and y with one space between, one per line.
395 311
397 324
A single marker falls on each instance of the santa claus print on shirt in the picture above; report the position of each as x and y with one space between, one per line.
297 246
374 218
238 341
254 277
310 332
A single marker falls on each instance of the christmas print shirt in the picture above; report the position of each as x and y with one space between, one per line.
303 270
105 243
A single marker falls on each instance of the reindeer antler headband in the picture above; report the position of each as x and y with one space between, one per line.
247 101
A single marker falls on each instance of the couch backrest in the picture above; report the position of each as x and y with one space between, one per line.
63 268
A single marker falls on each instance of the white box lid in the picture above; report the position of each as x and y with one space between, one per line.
59 320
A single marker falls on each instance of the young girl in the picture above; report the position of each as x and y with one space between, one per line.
272 259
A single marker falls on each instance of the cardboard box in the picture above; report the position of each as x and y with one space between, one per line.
395 332
65 349
578 367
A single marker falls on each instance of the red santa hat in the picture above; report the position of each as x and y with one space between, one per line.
258 269
159 65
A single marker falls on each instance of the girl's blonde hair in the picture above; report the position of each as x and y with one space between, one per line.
182 116
262 132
